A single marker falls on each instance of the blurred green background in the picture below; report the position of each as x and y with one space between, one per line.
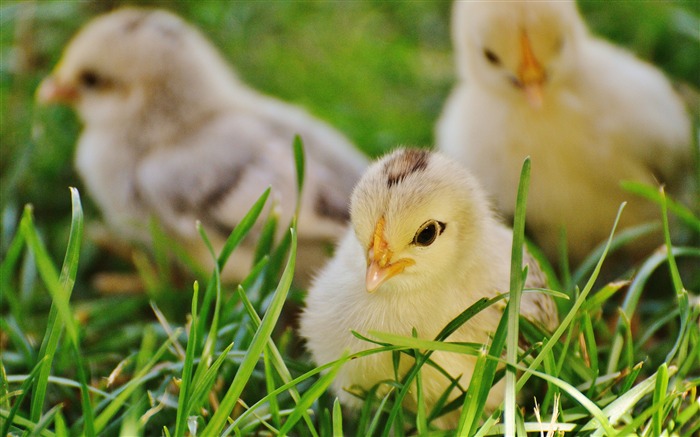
378 71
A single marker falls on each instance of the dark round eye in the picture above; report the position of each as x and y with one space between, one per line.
492 57
89 79
428 232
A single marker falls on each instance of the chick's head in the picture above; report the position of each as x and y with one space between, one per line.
518 49
418 216
132 64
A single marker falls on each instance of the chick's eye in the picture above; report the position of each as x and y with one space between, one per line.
428 232
492 57
89 79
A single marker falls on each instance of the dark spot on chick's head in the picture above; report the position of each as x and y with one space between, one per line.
404 163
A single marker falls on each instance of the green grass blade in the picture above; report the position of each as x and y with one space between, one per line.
516 288
267 236
132 425
104 418
566 322
633 294
681 293
49 274
309 397
262 334
622 239
23 391
600 418
202 386
659 397
276 357
624 403
274 405
337 419
187 370
242 228
657 196
481 382
414 343
45 421
60 290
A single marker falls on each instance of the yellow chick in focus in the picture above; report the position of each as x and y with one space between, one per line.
171 133
533 81
423 247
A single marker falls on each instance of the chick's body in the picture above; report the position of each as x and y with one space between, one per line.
171 133
590 115
467 259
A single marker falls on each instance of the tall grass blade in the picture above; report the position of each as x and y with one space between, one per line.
482 381
658 196
516 289
566 322
187 370
681 292
337 419
234 239
218 420
659 397
275 356
60 290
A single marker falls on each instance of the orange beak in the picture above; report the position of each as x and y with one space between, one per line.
530 74
379 265
52 91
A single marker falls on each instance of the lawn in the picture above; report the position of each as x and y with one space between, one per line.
205 358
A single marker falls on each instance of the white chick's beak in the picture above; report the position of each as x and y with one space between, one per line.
379 265
530 74
51 90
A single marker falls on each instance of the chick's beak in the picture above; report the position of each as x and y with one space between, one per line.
530 74
379 264
51 90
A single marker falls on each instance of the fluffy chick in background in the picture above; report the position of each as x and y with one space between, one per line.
171 133
423 247
533 81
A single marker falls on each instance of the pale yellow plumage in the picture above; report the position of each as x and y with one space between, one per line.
423 247
534 82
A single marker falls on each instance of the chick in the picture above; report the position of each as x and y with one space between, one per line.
171 133
424 246
533 81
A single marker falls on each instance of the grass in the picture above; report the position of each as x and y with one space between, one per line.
205 358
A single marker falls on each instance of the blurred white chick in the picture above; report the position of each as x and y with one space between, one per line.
533 81
171 133
423 247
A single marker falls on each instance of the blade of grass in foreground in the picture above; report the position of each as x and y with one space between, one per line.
237 235
218 420
187 369
309 397
681 292
623 238
276 357
516 289
104 418
626 402
23 391
481 382
563 326
658 196
416 343
60 289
